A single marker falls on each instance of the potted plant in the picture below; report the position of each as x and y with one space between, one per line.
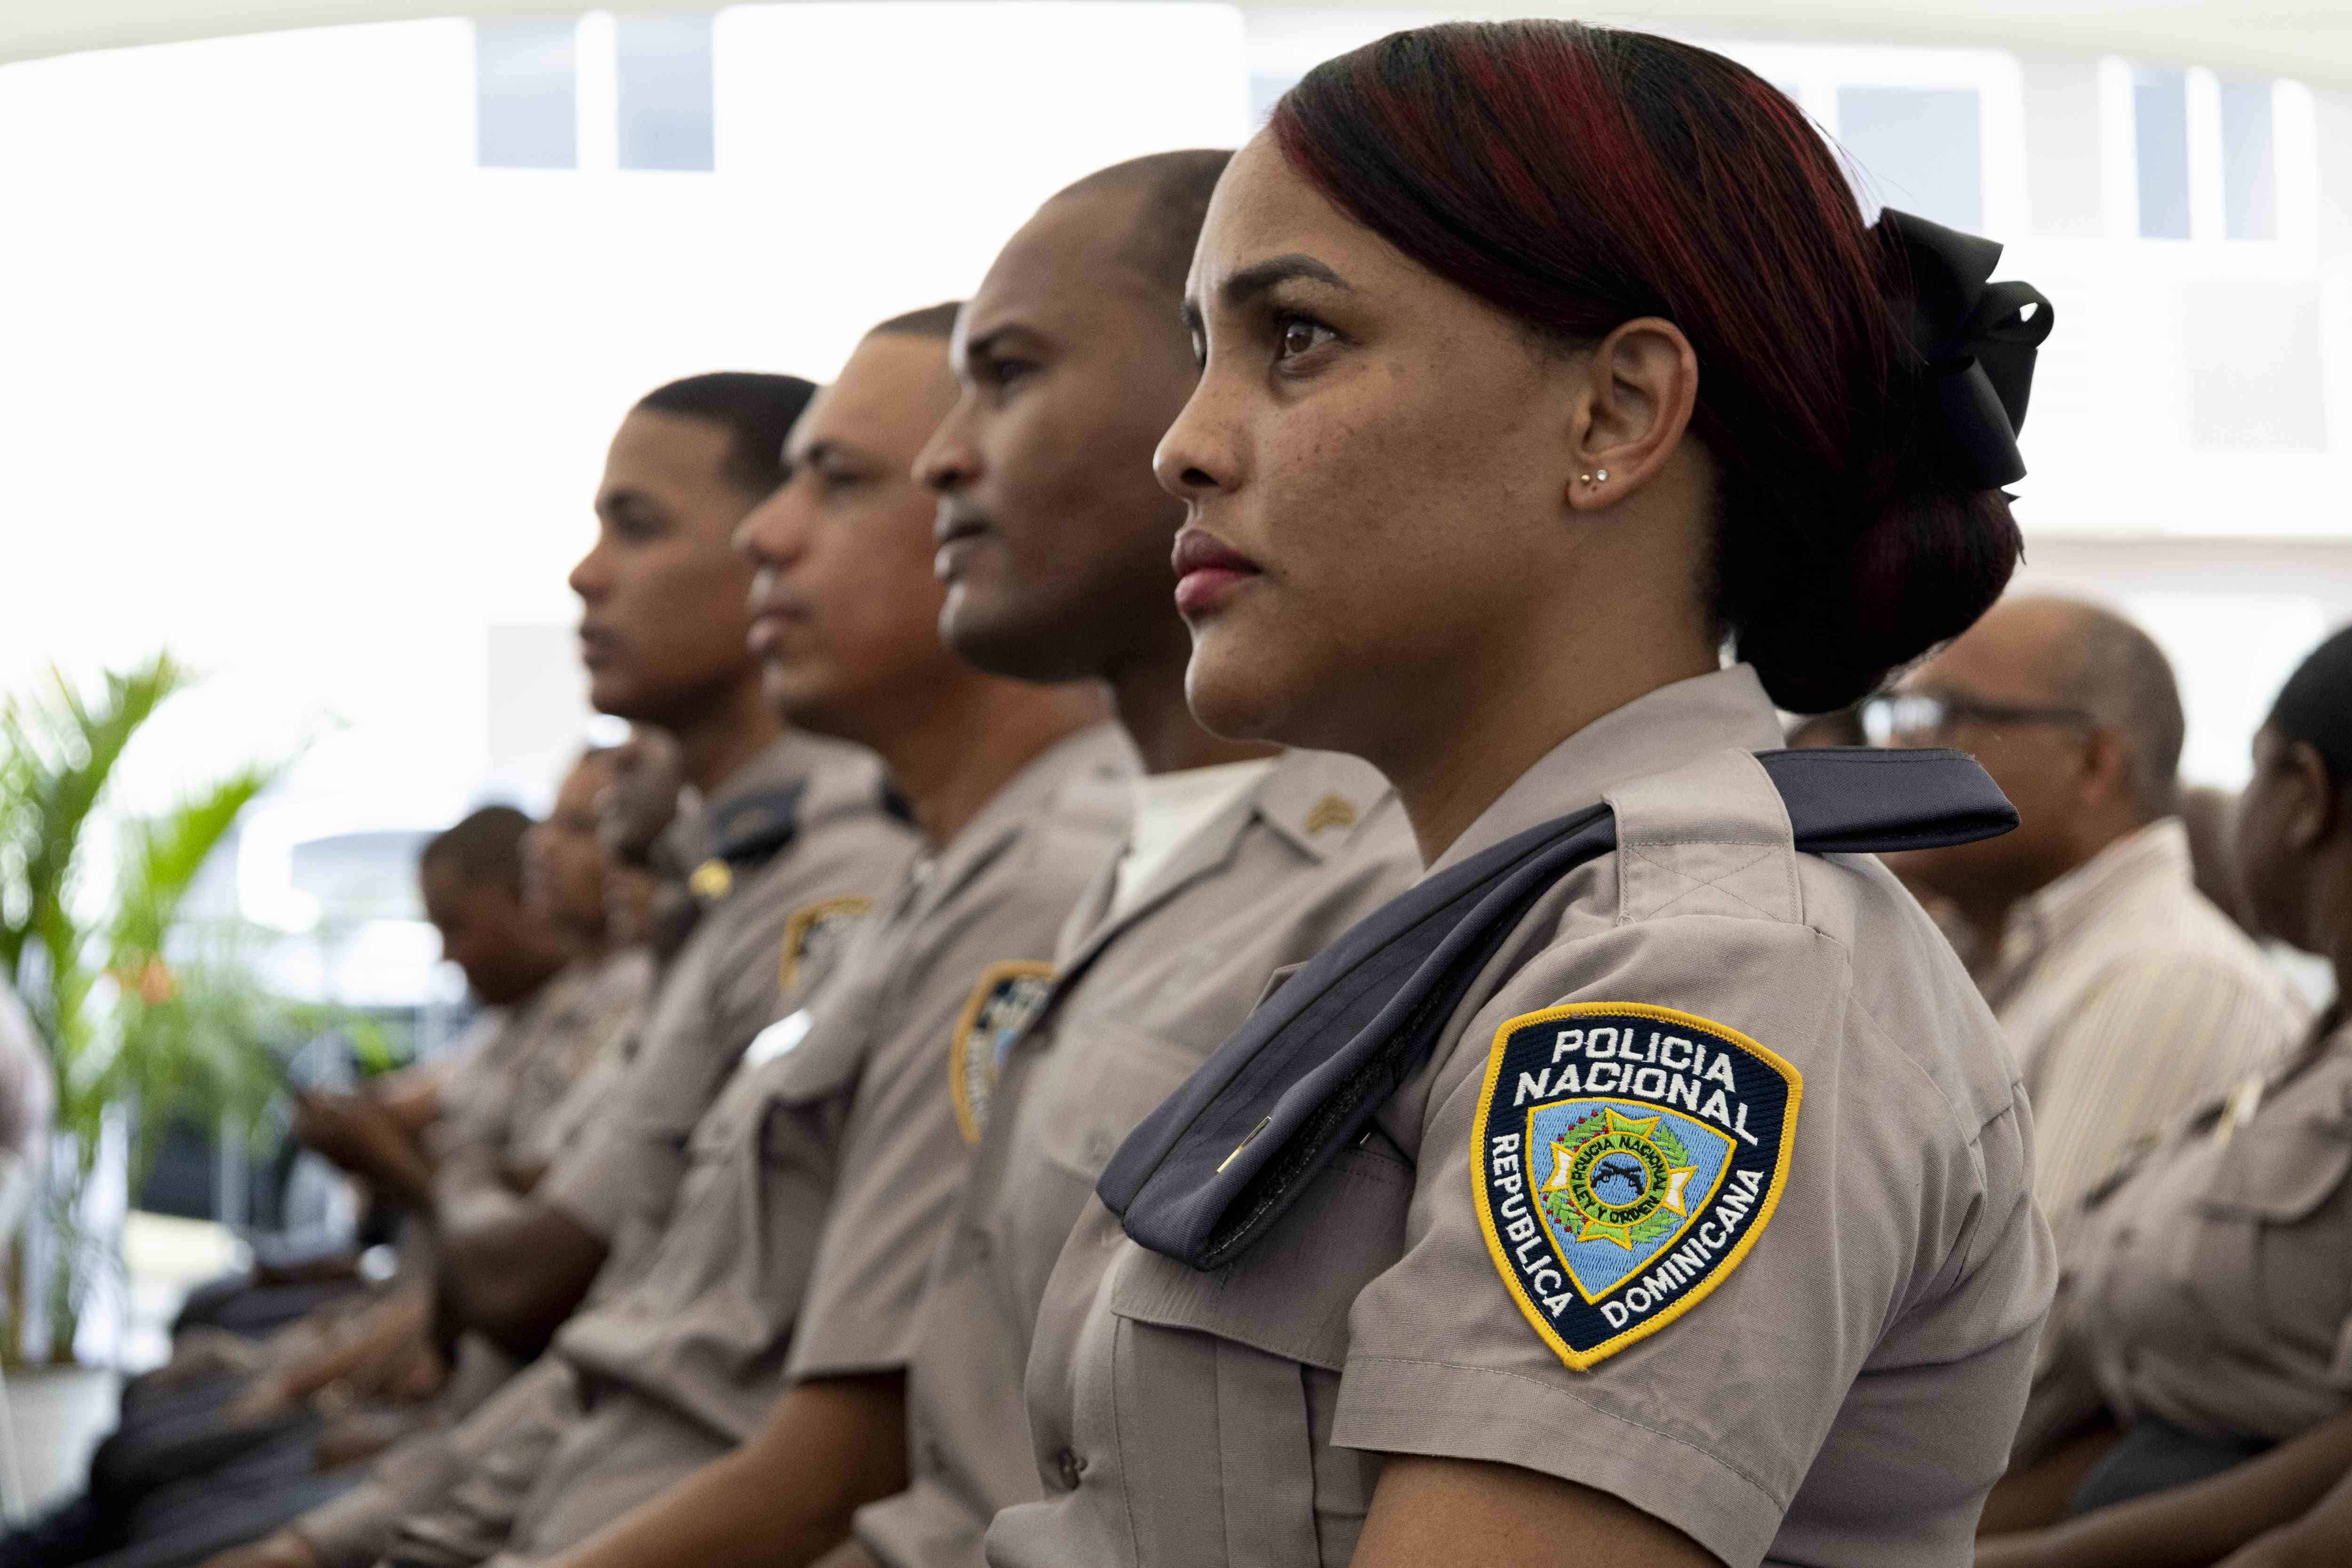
144 1013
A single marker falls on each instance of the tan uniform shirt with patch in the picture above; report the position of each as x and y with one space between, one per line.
2129 999
1267 882
2212 1286
619 1170
819 1181
1843 1392
730 981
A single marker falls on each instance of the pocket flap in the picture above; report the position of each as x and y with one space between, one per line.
1086 1104
1289 1296
2279 1174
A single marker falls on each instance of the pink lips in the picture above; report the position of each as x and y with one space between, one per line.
770 615
1207 573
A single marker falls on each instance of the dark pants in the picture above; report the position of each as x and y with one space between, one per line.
174 1463
243 1307
183 1523
2155 1457
177 1433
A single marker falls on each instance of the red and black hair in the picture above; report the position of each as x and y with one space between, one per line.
1578 177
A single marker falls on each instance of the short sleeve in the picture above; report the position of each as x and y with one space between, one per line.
1671 1191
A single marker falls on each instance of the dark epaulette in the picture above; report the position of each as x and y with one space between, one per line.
1208 1174
745 835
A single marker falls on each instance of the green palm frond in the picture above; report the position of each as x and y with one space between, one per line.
141 1009
60 755
162 854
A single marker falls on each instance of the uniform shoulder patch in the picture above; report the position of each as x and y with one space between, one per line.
1008 998
1624 1161
813 932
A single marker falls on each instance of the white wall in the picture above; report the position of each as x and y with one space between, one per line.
289 385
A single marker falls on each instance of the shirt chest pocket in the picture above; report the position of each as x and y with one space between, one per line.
2283 1164
1098 1079
1225 1383
2276 1238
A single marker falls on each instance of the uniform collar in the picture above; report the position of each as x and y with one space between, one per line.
1316 802
832 777
1099 753
1655 733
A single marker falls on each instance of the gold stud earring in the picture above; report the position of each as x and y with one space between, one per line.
1585 478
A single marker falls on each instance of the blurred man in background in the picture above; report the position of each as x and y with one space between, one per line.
770 843
832 1151
2125 995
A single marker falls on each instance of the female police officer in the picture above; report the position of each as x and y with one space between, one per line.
1675 1208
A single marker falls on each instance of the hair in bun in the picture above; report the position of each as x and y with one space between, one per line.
1860 386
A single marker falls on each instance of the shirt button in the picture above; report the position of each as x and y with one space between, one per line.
1071 1467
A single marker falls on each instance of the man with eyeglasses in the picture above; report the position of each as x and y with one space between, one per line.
2127 997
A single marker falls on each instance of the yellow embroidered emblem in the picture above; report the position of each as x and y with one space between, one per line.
1331 811
1008 998
1623 1160
813 930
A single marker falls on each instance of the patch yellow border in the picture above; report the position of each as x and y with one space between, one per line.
1584 1361
804 920
959 1041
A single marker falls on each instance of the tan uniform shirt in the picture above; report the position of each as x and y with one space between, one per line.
1822 1365
498 1104
2212 1287
566 1082
821 1176
2128 999
1271 879
752 958
767 943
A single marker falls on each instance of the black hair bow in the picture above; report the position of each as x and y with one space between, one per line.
1978 339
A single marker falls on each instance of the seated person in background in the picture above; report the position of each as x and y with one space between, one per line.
225 1396
793 838
2207 1313
471 881
1073 359
512 953
833 1150
2127 997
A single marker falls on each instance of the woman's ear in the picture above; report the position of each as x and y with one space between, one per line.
1639 386
2315 806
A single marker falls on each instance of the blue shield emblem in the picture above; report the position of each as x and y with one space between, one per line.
1625 1158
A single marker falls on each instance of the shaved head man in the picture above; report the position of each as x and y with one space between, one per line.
1054 548
2127 997
1056 562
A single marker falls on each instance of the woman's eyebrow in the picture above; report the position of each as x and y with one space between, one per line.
1254 280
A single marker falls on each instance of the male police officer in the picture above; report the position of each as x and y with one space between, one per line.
794 839
834 1151
1055 546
